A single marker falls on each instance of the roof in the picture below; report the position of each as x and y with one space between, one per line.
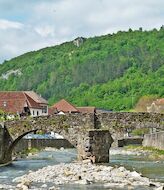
65 106
32 103
86 109
12 101
15 101
36 97
52 111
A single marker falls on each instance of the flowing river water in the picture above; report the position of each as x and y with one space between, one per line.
151 169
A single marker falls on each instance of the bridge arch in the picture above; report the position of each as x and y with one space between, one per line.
15 142
78 129
9 145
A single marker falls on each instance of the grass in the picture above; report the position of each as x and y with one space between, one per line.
154 153
146 148
140 132
30 151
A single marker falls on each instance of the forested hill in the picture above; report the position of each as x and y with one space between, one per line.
111 71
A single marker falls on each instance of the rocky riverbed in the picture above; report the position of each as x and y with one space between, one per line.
84 173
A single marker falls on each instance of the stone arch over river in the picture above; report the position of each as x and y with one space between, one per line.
90 133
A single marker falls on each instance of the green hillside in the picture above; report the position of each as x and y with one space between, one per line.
111 71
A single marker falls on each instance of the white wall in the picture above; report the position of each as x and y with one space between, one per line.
37 112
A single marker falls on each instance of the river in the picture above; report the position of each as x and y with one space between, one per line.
151 169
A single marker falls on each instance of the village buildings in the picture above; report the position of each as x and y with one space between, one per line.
64 106
23 103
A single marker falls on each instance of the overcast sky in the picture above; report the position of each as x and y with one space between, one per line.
27 25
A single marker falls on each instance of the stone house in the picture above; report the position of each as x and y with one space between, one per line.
23 103
157 106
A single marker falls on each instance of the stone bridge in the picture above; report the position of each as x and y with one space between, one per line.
91 134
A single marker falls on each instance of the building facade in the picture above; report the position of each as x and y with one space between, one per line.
23 103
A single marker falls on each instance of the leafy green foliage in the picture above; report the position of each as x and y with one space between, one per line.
140 132
111 71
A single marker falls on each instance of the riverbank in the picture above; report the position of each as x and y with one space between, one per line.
51 157
85 173
152 153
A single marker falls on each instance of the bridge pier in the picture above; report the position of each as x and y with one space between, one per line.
95 143
5 142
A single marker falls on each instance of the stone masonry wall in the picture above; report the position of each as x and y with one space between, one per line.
95 143
1 142
5 142
24 144
118 123
67 125
155 140
75 127
132 120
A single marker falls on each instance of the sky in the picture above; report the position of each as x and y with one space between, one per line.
27 25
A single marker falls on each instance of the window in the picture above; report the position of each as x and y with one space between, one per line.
44 109
4 104
33 113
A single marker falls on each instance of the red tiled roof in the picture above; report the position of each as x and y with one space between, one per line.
36 97
65 106
32 103
52 111
15 101
86 109
12 102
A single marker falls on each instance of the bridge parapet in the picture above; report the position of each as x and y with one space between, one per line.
132 120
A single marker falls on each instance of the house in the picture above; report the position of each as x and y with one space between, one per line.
64 106
87 109
157 106
52 111
23 103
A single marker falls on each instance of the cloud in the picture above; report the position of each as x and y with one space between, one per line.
6 24
34 24
45 31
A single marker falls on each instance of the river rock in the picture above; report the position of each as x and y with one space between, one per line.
135 174
81 173
44 186
87 161
22 187
82 182
160 188
7 187
53 188
110 185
